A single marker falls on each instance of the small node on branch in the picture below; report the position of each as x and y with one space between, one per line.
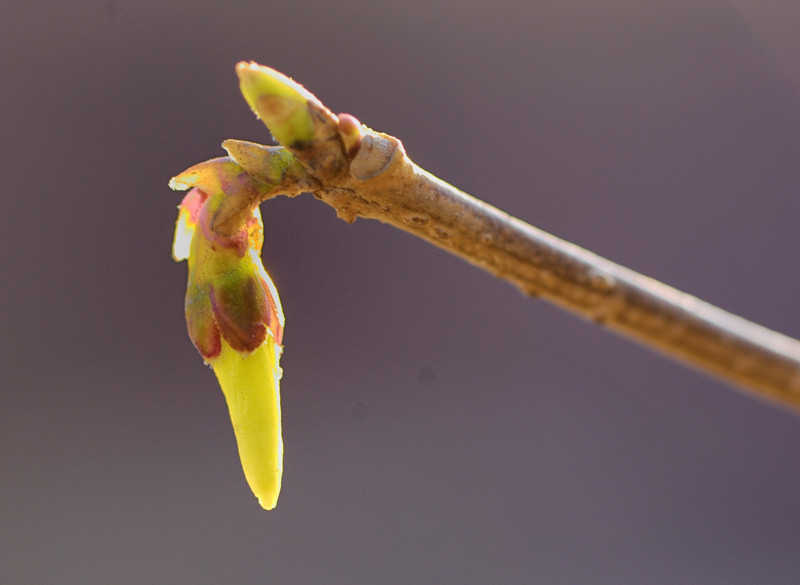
350 131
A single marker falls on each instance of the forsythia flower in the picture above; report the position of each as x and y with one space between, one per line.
234 315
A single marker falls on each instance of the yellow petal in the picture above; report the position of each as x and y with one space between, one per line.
251 387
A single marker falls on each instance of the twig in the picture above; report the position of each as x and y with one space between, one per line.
363 173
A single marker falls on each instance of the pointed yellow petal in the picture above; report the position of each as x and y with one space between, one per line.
251 387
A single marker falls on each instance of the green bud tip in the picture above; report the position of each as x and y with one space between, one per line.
280 102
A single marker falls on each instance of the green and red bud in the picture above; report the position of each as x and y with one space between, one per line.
229 294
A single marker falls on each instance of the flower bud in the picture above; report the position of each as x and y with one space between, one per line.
233 312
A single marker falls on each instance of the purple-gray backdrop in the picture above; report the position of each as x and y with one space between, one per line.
439 427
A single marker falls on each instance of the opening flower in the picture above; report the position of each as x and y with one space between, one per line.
233 312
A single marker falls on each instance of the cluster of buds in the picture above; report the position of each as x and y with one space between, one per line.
233 312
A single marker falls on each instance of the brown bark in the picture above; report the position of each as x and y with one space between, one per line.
380 182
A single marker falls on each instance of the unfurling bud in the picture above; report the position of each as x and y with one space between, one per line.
233 312
229 293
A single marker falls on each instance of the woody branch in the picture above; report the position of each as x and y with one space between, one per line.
363 173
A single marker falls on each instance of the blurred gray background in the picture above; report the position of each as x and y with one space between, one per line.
439 427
